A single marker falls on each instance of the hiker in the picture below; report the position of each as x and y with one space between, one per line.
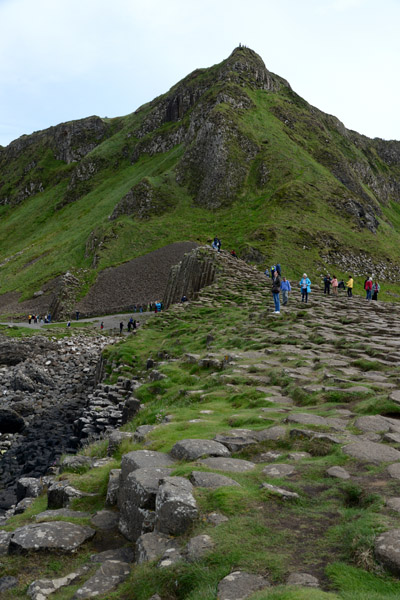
375 289
266 272
77 315
129 326
278 268
349 286
273 269
29 319
184 299
102 325
141 308
69 324
368 288
49 318
341 285
327 284
233 253
334 285
121 326
215 243
305 286
275 289
134 308
219 243
134 325
285 289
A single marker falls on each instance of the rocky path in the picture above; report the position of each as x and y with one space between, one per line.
325 381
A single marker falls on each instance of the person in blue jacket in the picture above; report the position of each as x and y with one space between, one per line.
285 289
305 287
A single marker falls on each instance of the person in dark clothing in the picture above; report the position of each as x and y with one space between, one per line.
134 325
341 285
233 253
278 268
102 325
77 315
121 326
276 288
129 326
327 284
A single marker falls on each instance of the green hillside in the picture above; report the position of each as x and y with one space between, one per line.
229 151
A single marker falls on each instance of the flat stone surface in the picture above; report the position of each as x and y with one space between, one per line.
216 518
109 575
338 472
371 452
42 588
393 438
192 449
232 465
105 519
7 583
375 423
274 433
139 459
211 480
198 546
151 546
306 419
121 554
270 456
395 396
394 470
239 585
59 513
393 503
303 579
236 439
57 535
278 470
387 550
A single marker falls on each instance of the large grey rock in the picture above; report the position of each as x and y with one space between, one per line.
170 557
198 546
387 550
176 508
140 459
151 546
371 452
232 465
58 535
240 585
192 449
275 433
141 486
306 419
135 520
375 423
393 503
211 480
110 574
60 494
29 487
113 487
303 579
237 439
278 470
124 554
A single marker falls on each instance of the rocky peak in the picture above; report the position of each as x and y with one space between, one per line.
246 67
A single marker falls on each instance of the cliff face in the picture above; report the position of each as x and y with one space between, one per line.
231 147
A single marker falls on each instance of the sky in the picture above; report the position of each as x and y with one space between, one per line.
62 60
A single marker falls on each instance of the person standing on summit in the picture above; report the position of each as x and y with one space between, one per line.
305 287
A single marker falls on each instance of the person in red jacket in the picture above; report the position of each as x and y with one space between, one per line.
368 288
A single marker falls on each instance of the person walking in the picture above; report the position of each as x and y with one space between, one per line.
276 288
285 289
327 284
375 289
121 326
102 325
334 285
305 286
350 284
368 288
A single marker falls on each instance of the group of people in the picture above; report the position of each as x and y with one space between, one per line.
38 319
281 284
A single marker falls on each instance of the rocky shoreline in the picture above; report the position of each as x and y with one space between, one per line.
50 402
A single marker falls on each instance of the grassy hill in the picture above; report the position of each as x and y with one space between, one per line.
231 151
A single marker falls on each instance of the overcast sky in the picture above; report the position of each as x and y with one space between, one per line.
68 59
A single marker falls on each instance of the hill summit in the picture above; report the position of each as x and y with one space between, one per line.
229 150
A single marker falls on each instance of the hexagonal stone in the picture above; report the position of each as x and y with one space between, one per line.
192 449
387 550
237 439
111 574
105 519
232 465
151 546
239 585
278 470
211 480
306 419
140 459
375 423
371 452
58 535
176 508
